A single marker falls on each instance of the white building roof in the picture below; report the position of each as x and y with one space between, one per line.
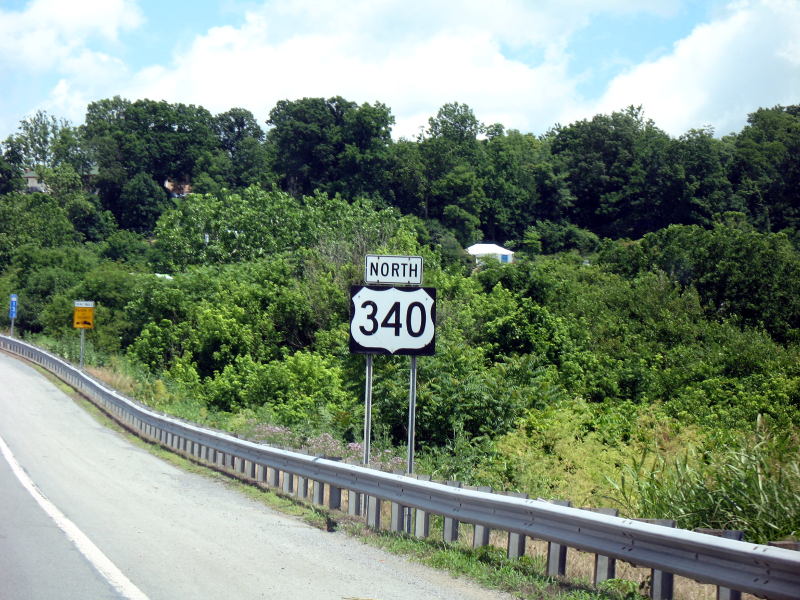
483 249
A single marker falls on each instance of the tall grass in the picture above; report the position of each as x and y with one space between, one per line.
749 483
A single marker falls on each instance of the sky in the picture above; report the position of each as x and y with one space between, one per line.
526 64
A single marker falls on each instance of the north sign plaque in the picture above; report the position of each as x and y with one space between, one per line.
393 270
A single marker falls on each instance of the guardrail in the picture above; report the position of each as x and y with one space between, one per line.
765 571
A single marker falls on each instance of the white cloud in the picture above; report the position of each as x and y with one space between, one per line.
508 59
49 32
748 58
432 53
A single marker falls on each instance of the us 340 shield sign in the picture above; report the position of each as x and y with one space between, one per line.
389 320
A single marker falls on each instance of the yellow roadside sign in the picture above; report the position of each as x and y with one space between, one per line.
83 315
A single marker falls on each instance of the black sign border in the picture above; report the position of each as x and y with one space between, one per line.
427 350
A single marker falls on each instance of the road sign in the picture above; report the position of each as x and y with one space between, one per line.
389 320
83 314
401 270
12 307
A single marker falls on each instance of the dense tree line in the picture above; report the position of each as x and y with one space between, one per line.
614 175
654 295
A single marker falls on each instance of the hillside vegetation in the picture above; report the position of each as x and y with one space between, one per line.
641 352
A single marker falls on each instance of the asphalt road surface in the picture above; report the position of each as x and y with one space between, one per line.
86 514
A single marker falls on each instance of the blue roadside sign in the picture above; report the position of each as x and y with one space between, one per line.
12 307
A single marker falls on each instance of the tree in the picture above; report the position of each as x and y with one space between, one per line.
10 177
408 184
524 183
451 155
738 272
764 169
331 145
33 146
35 219
620 172
141 202
241 141
83 210
163 140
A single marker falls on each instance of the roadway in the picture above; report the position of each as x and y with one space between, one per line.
84 513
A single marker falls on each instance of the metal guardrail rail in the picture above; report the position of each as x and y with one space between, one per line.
765 571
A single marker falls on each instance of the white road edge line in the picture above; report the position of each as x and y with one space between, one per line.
85 546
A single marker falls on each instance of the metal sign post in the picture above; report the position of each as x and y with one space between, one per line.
368 411
12 311
83 343
412 414
83 319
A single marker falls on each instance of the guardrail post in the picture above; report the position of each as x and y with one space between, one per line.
557 553
353 503
301 490
480 536
724 593
604 567
373 512
516 541
422 519
334 493
661 582
318 493
398 518
353 498
274 478
450 530
288 482
334 497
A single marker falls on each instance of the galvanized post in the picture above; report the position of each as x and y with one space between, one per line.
480 536
367 411
662 583
412 414
557 553
724 593
83 338
604 567
450 529
373 512
516 541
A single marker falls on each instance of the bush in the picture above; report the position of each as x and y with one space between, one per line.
747 482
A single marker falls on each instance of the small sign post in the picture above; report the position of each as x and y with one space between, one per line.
12 311
83 319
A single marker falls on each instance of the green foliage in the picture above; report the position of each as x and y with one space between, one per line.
40 275
35 219
256 223
749 482
140 203
738 273
764 169
559 237
332 145
10 177
306 390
